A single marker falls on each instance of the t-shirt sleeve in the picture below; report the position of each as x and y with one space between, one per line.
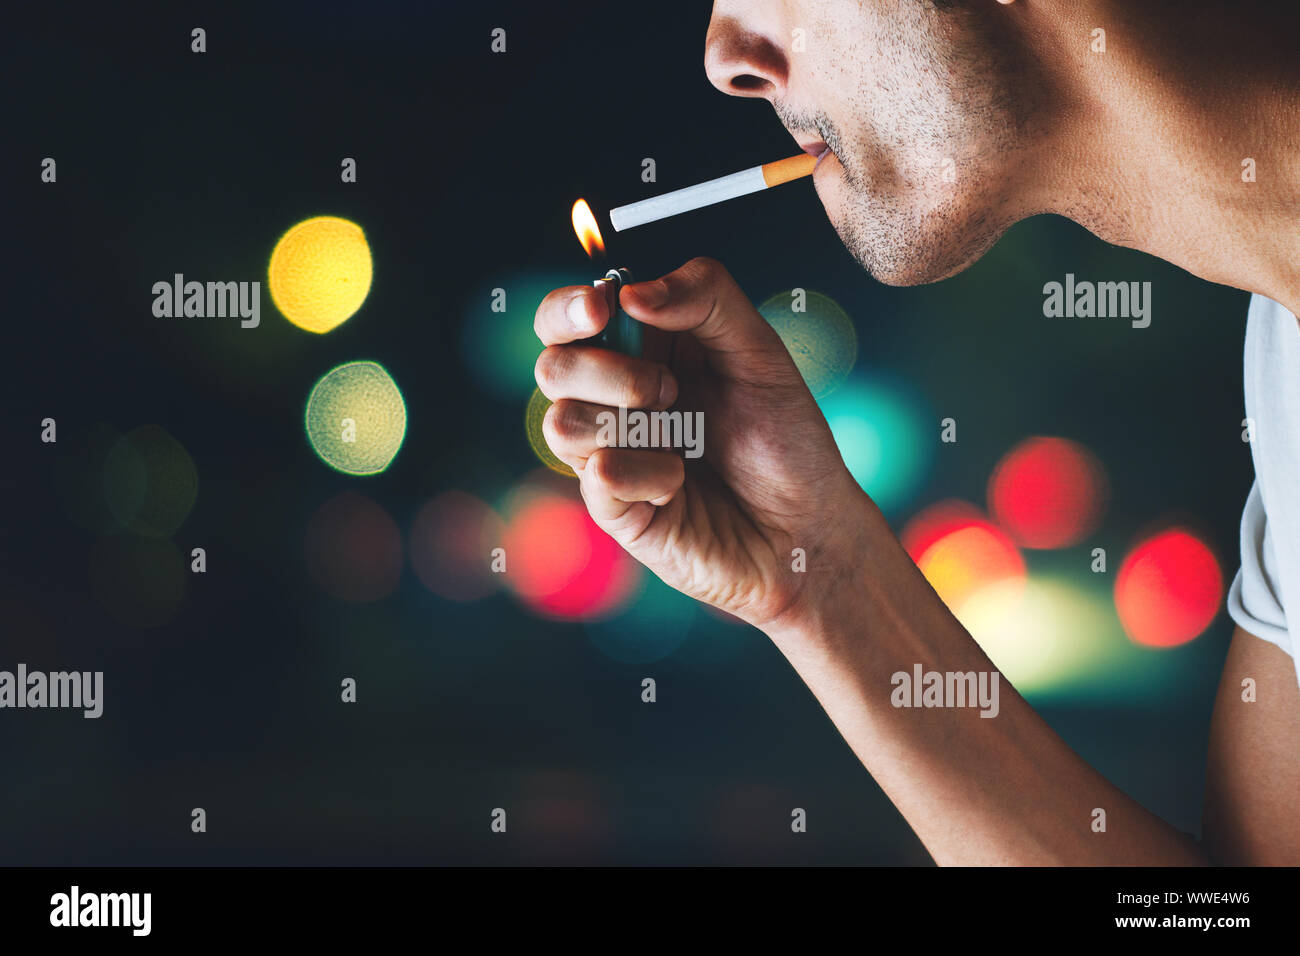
1254 600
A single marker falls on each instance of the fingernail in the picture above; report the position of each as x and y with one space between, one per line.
576 313
653 294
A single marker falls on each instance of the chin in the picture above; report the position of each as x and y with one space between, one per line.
906 253
902 241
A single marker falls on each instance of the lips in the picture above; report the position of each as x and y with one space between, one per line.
815 148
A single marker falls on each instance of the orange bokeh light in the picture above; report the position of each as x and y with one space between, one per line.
960 551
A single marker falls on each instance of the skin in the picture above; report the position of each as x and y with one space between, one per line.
1135 145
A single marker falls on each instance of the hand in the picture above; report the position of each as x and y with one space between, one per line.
722 527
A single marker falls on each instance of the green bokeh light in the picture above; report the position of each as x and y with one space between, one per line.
820 338
79 477
356 418
150 482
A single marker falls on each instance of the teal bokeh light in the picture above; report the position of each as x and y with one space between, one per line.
885 436
652 627
498 344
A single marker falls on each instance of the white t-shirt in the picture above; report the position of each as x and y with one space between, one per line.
1269 580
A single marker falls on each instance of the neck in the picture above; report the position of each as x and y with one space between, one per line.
1181 138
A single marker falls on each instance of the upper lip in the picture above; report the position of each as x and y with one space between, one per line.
814 147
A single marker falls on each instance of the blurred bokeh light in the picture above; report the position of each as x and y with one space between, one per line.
1044 636
651 628
884 437
356 418
353 548
498 342
1047 492
1168 589
533 417
960 552
563 808
451 545
79 477
320 273
559 563
820 338
150 482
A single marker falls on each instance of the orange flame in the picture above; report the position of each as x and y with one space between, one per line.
584 224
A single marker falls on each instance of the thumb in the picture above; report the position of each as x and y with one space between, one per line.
702 298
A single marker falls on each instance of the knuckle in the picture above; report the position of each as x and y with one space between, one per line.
706 269
551 370
605 468
643 387
562 423
552 428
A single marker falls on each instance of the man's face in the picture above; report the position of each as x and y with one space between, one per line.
923 114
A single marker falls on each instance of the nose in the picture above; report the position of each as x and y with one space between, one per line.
742 61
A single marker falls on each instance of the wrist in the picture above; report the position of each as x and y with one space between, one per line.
836 594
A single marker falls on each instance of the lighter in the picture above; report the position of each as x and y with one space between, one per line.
622 333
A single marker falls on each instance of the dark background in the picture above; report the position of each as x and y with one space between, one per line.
468 163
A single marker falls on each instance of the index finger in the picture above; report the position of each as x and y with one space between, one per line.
571 313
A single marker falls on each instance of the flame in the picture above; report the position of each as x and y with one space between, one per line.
584 224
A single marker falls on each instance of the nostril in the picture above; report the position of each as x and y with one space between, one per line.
748 83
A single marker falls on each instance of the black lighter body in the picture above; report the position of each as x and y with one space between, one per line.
622 333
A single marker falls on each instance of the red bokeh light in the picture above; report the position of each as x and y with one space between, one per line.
354 548
1047 492
451 545
562 565
934 522
1169 589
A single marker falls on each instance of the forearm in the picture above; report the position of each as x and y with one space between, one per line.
1001 789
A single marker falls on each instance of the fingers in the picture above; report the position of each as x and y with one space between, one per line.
623 486
574 430
602 377
570 429
701 297
572 313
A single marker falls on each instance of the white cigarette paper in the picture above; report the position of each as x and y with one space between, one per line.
743 183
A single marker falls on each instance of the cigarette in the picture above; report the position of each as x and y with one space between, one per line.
743 183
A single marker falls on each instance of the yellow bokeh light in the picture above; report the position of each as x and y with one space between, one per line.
320 273
1043 635
537 406
356 418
